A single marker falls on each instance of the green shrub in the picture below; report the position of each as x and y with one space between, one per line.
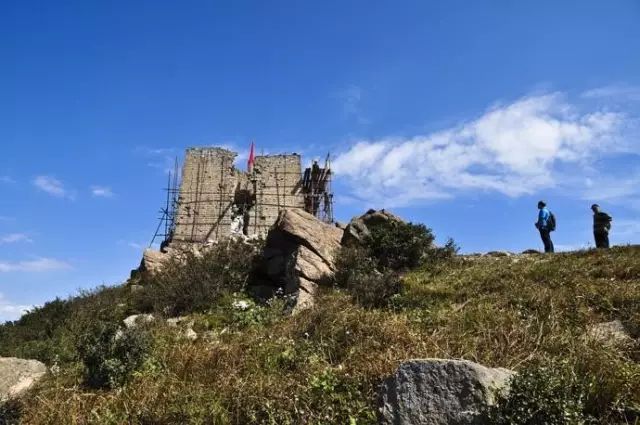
374 289
551 395
399 245
370 271
110 354
49 333
352 262
194 282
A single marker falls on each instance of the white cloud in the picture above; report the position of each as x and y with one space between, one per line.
7 179
621 92
514 149
10 311
101 191
15 237
41 264
53 187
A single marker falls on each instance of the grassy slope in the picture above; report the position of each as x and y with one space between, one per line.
323 366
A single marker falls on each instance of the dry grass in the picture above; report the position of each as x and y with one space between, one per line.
324 365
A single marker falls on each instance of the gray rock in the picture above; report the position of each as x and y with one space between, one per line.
18 375
358 228
190 334
153 261
440 392
610 333
306 295
298 255
136 319
321 238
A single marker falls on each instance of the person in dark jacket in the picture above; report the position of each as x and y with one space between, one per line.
601 226
543 226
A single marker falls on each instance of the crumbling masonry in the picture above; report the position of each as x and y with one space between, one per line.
216 200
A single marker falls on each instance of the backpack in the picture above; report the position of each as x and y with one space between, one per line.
551 222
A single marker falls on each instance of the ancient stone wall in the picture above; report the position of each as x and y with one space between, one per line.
206 196
277 186
214 194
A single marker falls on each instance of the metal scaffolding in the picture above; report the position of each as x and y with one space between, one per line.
316 186
309 190
166 221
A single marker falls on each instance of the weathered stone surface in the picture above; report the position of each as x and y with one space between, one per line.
152 260
440 392
299 255
18 375
137 319
306 295
358 228
610 333
321 238
311 266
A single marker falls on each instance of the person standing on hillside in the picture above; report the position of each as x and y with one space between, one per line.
545 224
601 226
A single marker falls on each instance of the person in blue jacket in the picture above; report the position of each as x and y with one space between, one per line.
543 225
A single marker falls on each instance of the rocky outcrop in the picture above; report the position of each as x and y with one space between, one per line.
137 319
612 334
152 260
18 375
440 392
298 255
358 228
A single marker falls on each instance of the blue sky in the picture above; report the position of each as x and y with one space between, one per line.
457 114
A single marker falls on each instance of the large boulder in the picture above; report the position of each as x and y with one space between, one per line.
152 260
298 255
440 392
18 375
358 228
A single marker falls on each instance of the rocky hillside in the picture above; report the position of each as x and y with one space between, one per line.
566 324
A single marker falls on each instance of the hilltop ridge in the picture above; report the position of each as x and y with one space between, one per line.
540 315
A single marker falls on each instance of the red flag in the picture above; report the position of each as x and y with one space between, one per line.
251 158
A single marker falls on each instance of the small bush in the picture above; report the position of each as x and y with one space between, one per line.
374 289
550 395
352 262
399 245
370 271
194 282
110 355
440 256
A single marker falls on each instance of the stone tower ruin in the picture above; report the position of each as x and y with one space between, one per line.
215 200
